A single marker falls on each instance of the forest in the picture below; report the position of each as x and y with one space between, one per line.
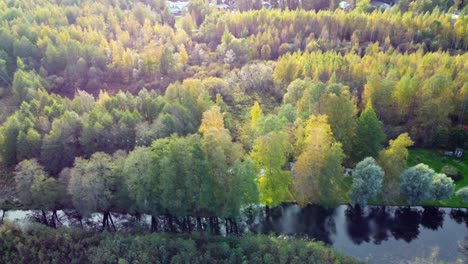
118 106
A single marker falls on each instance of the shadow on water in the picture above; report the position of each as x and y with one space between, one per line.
376 234
363 225
289 219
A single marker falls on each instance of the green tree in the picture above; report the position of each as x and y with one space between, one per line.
367 181
393 161
270 153
36 189
442 187
318 167
93 185
463 194
142 181
233 180
29 144
369 135
183 171
26 173
61 145
341 112
415 183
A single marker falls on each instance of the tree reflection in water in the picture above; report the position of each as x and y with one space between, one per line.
459 216
379 222
432 218
311 221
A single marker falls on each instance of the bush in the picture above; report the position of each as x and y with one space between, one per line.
40 244
452 172
463 194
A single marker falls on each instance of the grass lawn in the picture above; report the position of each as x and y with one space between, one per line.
436 160
177 21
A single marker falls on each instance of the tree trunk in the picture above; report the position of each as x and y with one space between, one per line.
104 221
211 224
112 222
53 224
54 214
3 216
216 225
199 224
154 224
226 223
234 223
44 218
169 222
80 218
138 217
267 212
189 224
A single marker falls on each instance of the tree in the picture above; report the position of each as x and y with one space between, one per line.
233 180
181 169
367 181
363 5
29 144
36 189
26 173
212 119
442 187
369 135
415 183
25 85
142 183
270 153
341 112
61 145
318 167
93 185
393 161
183 56
463 194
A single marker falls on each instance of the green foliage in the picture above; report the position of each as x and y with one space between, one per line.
463 194
93 184
270 154
39 244
155 80
142 181
452 172
442 187
318 168
35 188
367 181
415 183
369 135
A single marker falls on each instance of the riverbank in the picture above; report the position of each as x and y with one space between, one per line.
39 244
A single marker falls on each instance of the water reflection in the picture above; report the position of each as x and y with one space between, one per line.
289 219
377 234
460 216
374 224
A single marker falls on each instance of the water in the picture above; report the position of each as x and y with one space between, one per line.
375 234
378 234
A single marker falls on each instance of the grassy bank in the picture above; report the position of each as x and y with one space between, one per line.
44 245
434 159
437 160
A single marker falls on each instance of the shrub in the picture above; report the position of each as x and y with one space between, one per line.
463 193
452 172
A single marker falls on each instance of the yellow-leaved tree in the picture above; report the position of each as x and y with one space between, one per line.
318 167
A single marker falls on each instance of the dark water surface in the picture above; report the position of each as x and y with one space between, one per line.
374 234
379 234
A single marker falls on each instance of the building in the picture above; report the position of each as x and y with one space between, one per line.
176 8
